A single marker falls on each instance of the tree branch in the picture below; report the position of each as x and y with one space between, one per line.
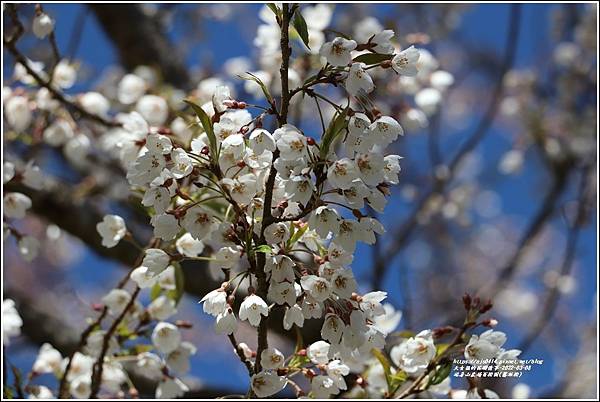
140 40
408 226
42 323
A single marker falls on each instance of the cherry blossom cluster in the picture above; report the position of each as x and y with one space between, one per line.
275 210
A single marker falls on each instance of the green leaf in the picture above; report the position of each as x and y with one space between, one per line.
440 348
440 374
208 128
403 334
335 128
141 348
155 291
8 392
263 248
396 380
177 293
387 367
297 234
372 58
125 332
298 361
263 87
273 7
300 27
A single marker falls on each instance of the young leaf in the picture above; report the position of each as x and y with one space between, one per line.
387 367
335 128
440 348
298 361
403 334
273 7
372 58
263 248
440 374
300 27
141 348
155 291
208 127
396 380
263 87
297 234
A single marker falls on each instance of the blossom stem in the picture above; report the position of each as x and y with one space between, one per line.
19 58
99 365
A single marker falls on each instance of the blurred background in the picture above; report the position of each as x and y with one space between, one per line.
497 195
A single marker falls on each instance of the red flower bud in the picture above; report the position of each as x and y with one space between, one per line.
467 301
184 324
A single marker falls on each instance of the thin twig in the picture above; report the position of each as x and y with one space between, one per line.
570 247
406 228
99 365
10 44
240 352
62 388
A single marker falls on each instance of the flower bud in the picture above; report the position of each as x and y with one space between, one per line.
486 307
490 322
133 393
440 332
361 382
184 324
466 301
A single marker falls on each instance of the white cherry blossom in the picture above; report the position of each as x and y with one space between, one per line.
405 62
358 81
15 205
267 383
252 308
293 315
166 337
43 25
338 52
261 140
112 229
271 358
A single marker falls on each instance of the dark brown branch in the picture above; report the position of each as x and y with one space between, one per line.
261 275
537 223
240 352
42 323
140 40
61 206
99 365
58 95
